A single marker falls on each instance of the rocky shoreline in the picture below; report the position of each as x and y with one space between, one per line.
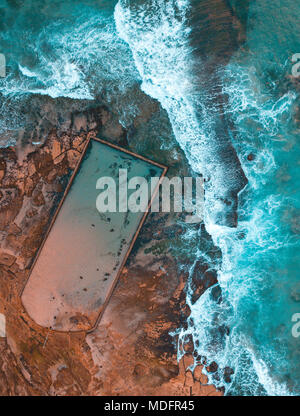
131 351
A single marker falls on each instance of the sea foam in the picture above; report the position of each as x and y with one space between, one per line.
240 331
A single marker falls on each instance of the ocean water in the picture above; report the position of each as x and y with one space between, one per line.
159 35
65 54
234 112
246 331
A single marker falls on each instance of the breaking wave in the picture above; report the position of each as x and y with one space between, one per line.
233 121
241 324
71 51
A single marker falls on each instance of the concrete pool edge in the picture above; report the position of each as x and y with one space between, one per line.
56 213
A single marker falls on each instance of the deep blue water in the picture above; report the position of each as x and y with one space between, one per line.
84 50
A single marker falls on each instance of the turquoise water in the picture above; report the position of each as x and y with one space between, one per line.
249 330
68 51
84 50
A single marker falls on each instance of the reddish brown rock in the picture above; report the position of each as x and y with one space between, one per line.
43 162
56 149
135 330
73 158
38 198
6 258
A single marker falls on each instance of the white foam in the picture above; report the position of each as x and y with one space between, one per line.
158 35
